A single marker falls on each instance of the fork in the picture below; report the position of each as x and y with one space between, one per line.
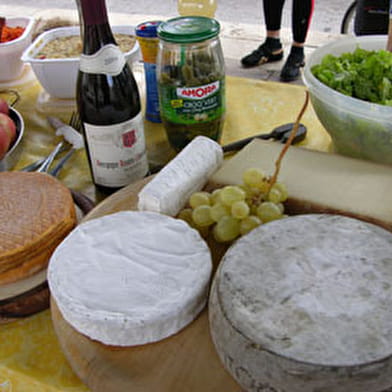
75 123
43 164
84 202
44 167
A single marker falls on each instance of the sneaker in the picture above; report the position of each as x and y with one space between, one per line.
263 54
291 69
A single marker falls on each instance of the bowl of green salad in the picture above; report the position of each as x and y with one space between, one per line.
350 86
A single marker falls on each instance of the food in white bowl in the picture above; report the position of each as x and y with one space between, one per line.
48 65
358 128
11 50
71 46
11 134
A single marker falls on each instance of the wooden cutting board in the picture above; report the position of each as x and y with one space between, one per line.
185 362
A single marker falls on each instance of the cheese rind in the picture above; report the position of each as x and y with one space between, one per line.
319 181
36 213
130 278
299 303
188 172
19 287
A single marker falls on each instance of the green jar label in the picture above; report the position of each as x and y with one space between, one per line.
192 105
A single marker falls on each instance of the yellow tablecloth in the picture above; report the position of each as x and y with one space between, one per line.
30 357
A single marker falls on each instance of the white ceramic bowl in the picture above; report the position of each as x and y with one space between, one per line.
358 129
14 152
11 64
58 76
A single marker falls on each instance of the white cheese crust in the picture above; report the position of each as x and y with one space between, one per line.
130 278
185 174
299 303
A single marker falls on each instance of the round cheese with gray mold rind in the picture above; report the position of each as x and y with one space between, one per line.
130 278
304 304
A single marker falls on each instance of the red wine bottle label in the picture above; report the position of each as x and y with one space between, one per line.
117 152
109 60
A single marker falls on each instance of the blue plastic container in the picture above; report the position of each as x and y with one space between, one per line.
146 33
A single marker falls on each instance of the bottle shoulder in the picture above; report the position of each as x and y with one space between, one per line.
97 36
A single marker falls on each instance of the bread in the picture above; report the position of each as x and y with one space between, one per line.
36 213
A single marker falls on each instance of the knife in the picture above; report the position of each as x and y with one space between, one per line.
72 136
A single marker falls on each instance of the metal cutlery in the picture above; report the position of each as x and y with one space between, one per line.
43 165
70 134
62 162
280 133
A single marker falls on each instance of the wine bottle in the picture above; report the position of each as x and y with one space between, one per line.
108 103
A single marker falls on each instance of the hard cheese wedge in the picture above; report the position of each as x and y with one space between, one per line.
319 182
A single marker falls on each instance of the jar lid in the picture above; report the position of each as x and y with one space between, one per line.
188 29
147 29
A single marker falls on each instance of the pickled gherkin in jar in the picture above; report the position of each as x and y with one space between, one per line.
191 79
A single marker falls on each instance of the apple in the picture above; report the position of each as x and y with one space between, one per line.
5 142
4 108
8 124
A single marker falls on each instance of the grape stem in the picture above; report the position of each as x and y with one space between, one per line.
288 143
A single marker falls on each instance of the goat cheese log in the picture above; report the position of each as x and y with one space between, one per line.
185 174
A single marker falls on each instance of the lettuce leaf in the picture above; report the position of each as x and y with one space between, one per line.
363 74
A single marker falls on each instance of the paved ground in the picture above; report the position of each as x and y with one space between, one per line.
242 24
327 13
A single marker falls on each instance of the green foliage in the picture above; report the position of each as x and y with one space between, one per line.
362 74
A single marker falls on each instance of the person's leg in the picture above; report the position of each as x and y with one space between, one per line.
271 49
301 17
273 16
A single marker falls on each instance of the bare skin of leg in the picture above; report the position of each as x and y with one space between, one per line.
276 34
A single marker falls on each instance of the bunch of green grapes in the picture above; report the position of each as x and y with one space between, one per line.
235 210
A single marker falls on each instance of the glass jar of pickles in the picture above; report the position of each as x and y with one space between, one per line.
191 79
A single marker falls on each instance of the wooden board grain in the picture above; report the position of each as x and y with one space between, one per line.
185 362
24 305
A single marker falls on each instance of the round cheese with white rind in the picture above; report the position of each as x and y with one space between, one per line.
304 304
130 278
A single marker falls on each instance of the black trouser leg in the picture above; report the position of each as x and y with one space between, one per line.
273 13
301 17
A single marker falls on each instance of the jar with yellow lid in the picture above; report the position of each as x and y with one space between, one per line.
191 79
